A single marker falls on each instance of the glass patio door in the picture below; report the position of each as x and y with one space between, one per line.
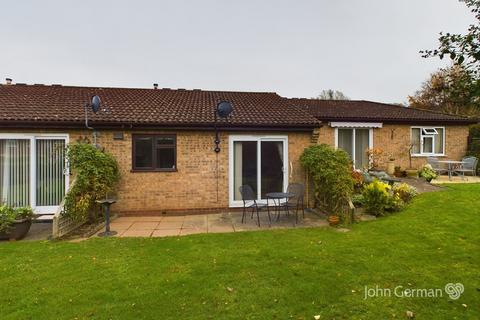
259 162
15 172
356 142
32 171
50 174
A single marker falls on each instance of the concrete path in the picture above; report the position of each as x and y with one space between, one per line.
162 226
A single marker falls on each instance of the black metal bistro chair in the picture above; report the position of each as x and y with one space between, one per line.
250 201
296 201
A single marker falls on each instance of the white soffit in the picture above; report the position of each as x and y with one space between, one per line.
356 124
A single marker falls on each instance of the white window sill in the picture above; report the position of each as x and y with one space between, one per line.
427 155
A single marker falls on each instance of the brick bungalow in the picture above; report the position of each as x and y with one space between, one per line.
163 140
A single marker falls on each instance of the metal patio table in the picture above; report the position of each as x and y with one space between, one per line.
277 198
451 166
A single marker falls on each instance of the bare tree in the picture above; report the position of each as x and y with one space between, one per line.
330 94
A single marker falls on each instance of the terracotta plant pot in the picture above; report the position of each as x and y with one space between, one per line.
18 230
333 220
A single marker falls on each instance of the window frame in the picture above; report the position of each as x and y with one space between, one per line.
354 129
258 139
33 137
155 136
432 136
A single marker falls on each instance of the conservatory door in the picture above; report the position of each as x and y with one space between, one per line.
33 171
257 161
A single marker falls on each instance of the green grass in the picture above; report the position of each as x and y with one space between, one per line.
280 274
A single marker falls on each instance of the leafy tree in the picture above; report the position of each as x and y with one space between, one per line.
461 48
450 90
332 95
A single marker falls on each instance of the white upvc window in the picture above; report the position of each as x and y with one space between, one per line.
428 141
33 170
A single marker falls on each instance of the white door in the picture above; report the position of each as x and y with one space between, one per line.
260 162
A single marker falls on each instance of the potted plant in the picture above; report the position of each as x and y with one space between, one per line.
427 172
333 219
411 171
14 222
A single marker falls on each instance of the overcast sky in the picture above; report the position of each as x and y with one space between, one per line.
366 48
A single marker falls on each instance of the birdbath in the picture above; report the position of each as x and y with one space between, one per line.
106 203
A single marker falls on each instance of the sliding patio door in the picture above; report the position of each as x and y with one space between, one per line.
50 173
33 171
259 162
15 172
356 142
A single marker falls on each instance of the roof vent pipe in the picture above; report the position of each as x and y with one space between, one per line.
8 81
155 86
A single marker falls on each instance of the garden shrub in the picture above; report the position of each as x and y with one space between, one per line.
405 191
379 197
96 174
8 215
427 172
376 197
331 172
357 200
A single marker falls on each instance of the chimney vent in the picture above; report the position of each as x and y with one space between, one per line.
155 86
8 81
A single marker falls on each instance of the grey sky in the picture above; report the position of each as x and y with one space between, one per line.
367 49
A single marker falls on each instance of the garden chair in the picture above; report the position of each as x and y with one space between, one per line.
469 165
296 202
436 166
250 202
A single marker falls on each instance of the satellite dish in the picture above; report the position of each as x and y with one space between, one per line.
95 104
224 108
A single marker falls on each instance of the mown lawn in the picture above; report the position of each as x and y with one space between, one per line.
281 274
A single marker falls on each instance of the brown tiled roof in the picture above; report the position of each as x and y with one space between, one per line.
368 111
62 106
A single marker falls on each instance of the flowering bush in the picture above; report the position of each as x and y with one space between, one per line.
427 172
376 197
379 198
405 191
357 179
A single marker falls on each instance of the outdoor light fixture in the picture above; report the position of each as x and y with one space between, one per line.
223 110
95 105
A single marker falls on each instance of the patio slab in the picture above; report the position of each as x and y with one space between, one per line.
167 226
455 179
136 233
166 232
143 225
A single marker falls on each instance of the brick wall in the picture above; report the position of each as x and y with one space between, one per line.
194 185
395 139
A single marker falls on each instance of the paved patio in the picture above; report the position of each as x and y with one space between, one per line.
455 179
162 226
